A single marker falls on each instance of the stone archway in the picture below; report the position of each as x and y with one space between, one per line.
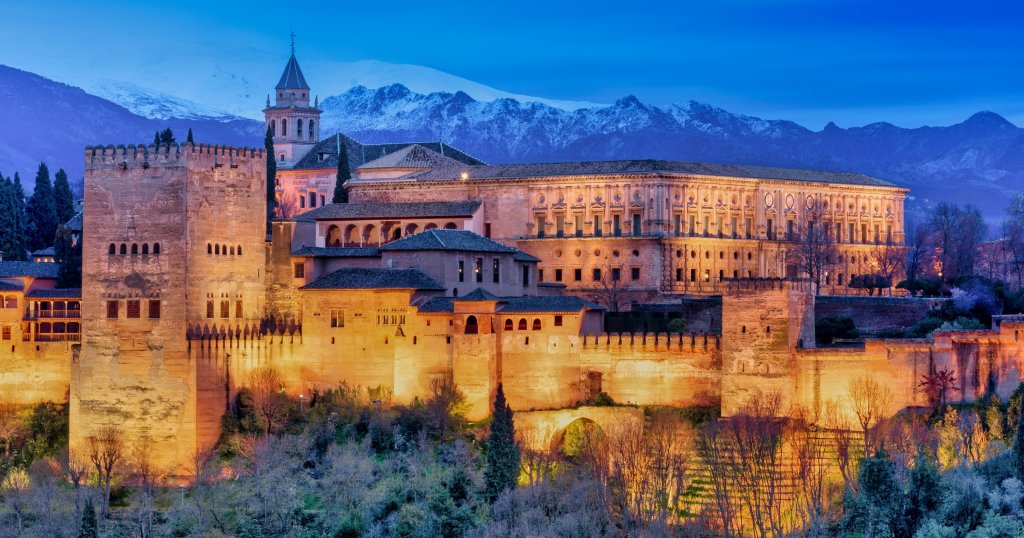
540 430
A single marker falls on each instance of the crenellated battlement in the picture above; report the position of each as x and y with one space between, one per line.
653 341
131 155
737 285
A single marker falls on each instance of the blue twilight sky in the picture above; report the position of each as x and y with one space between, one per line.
813 61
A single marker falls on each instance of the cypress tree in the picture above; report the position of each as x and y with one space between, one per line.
1018 448
156 138
8 217
924 491
271 174
62 197
344 174
88 528
167 136
19 240
503 454
41 212
189 139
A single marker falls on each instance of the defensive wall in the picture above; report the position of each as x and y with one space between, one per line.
32 372
874 315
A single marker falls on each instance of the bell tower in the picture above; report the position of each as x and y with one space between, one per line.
295 124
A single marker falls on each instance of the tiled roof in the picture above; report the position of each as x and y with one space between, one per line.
357 279
519 305
58 293
478 294
10 286
524 257
650 166
360 154
48 251
32 269
412 156
379 210
75 223
337 252
292 78
440 239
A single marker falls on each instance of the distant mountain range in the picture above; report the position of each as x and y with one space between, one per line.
979 161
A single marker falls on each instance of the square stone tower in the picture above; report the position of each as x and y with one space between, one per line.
175 239
764 322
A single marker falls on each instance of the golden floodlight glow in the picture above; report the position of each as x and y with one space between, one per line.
464 176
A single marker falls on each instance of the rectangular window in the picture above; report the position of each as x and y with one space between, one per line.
225 309
558 321
541 225
839 232
790 234
577 274
559 225
888 233
770 230
863 233
7 333
154 309
748 227
209 309
636 225
878 233
707 225
839 279
496 270
849 237
323 199
679 275
617 225
112 309
616 274
487 230
558 275
693 224
734 229
302 199
478 269
579 226
540 275
312 199
693 275
598 232
675 225
597 275
721 232
526 275
300 270
462 271
239 310
337 318
634 273
134 309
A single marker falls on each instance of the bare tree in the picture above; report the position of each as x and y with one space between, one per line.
871 402
15 490
11 428
838 427
76 468
957 233
106 452
937 384
1013 237
812 473
269 397
919 241
146 475
715 452
889 261
287 206
609 288
812 251
537 462
757 433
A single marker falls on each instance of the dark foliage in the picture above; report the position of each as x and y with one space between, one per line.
503 456
41 212
89 527
63 199
344 174
828 329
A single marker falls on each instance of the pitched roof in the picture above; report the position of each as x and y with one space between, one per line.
524 257
10 286
33 269
75 223
378 210
48 251
292 78
476 295
647 166
58 293
567 304
360 154
356 279
337 252
440 239
412 156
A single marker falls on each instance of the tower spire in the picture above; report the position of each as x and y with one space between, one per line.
293 41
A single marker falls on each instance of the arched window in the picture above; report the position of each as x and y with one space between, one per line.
284 127
216 249
536 324
411 229
508 325
451 226
370 235
397 234
156 248
273 127
311 132
430 226
471 325
333 236
135 249
522 324
298 128
239 250
455 292
113 249
209 248
124 248
145 249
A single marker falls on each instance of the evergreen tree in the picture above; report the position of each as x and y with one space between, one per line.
19 243
62 197
156 138
41 212
344 174
271 174
167 136
503 454
8 218
924 491
88 528
69 255
189 139
1018 447
882 496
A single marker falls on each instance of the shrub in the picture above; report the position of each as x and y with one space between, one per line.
828 329
603 399
676 325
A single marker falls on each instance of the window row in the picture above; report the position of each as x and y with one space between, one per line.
283 131
134 249
596 274
46 327
225 310
371 234
223 250
133 309
522 325
478 270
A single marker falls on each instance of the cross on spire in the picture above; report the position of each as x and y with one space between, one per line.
293 41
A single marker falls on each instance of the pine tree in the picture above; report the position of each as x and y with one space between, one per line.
167 136
503 456
41 212
189 139
271 174
62 197
88 528
344 174
156 138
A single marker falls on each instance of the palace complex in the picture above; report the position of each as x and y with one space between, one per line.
444 266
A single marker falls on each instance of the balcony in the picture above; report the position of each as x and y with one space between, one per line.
58 337
52 314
